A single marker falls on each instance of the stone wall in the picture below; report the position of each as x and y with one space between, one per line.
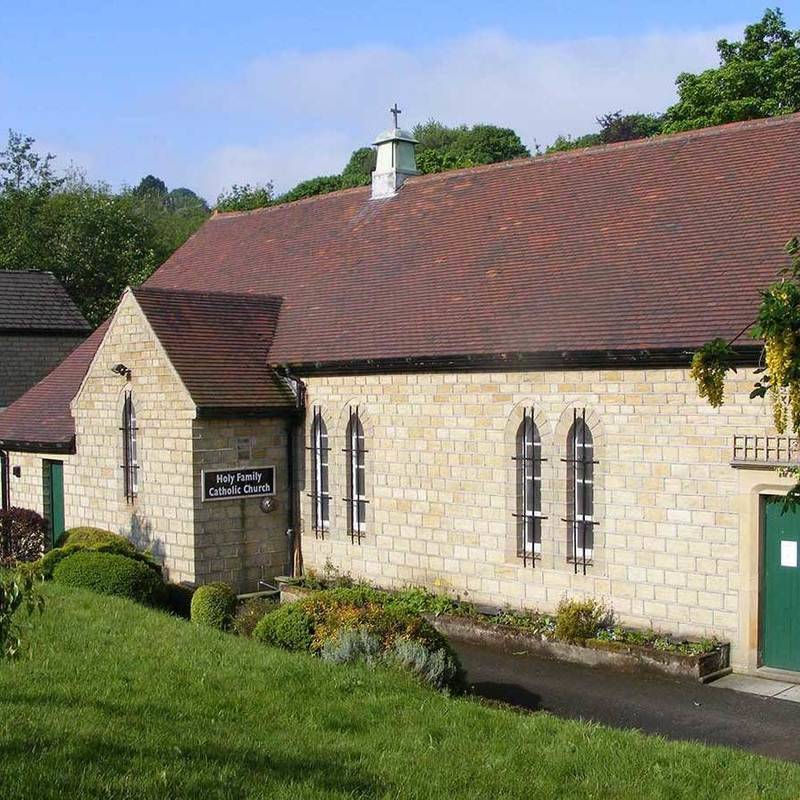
442 489
25 360
231 540
235 540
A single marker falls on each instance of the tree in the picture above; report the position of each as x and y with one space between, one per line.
441 148
151 186
614 127
321 185
94 240
246 197
358 170
757 77
23 169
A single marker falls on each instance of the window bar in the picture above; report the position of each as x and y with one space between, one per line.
355 451
528 521
317 495
579 521
127 462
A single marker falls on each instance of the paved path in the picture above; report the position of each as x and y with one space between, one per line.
671 708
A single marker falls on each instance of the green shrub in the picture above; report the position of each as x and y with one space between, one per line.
48 562
107 542
179 599
578 620
438 667
94 538
289 626
351 645
250 613
214 604
110 573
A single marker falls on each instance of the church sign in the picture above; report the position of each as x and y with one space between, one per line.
238 484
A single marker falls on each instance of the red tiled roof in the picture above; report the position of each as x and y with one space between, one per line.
644 247
218 343
649 245
41 419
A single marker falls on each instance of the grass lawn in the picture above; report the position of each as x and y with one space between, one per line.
118 701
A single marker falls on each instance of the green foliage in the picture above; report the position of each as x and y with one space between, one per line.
22 169
441 148
710 364
358 170
658 641
757 77
178 599
246 197
110 573
250 613
322 185
214 605
17 592
578 620
534 621
150 185
614 127
289 626
91 538
48 562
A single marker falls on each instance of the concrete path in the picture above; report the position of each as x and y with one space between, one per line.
670 708
764 687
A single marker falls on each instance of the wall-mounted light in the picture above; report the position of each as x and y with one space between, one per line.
122 370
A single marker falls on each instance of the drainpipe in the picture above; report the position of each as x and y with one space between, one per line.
5 481
296 425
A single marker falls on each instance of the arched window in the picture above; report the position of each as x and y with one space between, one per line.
580 492
356 477
320 495
529 489
130 455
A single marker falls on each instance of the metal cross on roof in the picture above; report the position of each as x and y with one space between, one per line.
394 111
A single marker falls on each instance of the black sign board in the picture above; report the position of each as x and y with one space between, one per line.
238 484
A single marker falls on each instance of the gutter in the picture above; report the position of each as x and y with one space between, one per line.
5 481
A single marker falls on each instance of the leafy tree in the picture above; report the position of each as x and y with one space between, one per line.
246 197
614 127
150 185
94 240
441 148
358 170
321 185
757 77
23 169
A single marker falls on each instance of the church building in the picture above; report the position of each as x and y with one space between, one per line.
475 381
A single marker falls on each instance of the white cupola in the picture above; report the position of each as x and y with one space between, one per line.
395 159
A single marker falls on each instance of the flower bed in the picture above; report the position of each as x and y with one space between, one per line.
581 631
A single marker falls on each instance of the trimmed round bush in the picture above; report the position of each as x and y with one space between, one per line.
51 559
214 605
95 539
110 573
289 626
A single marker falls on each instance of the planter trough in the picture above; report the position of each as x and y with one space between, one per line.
594 653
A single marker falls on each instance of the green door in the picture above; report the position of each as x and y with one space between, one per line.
780 591
55 489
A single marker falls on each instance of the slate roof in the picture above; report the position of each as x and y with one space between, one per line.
41 419
35 302
218 343
627 253
648 246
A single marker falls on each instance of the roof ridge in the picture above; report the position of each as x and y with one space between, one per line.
301 201
647 141
207 293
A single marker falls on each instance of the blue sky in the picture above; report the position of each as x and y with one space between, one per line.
207 94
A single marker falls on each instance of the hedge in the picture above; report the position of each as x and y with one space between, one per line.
110 573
